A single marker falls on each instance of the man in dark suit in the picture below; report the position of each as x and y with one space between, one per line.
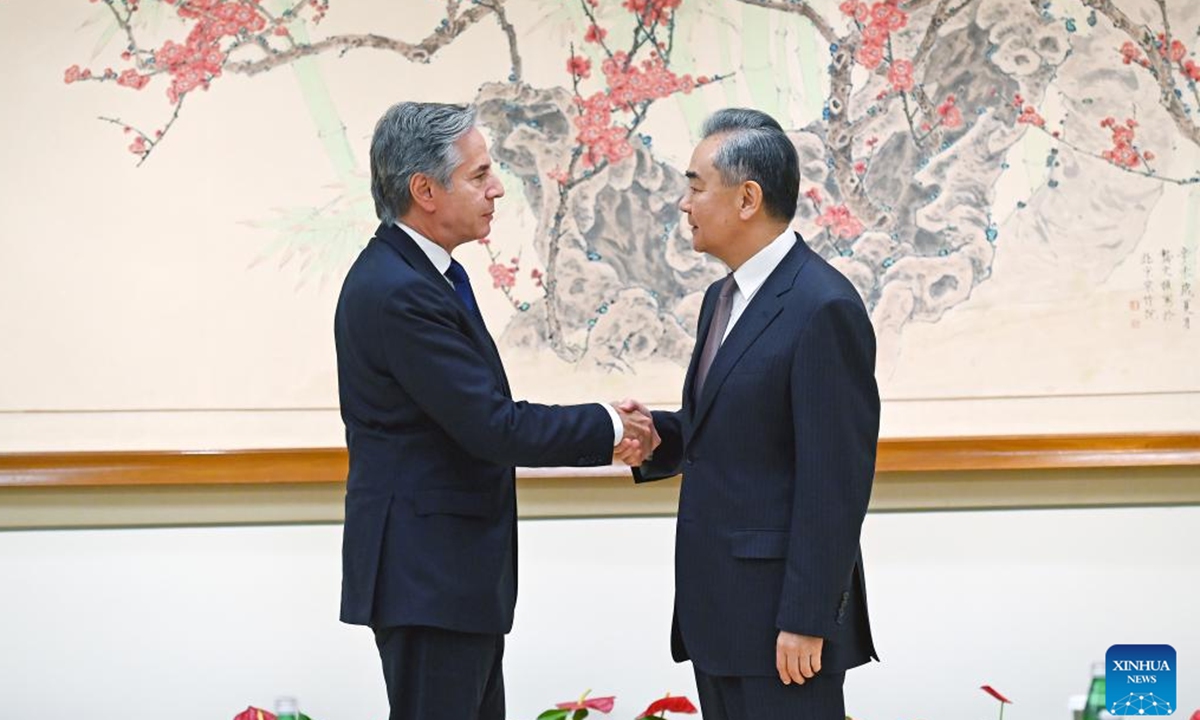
429 547
776 442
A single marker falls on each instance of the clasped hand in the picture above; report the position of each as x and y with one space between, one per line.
640 438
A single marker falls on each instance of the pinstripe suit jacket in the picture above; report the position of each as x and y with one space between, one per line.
778 458
433 434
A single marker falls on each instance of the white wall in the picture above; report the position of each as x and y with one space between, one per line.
199 622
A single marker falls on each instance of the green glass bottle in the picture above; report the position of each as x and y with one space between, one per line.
1096 698
286 708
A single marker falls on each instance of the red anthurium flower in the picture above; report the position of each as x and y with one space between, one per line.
253 713
992 691
678 703
600 704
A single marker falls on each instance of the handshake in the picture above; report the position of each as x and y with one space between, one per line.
640 438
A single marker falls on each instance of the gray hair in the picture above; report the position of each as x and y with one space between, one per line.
413 138
756 148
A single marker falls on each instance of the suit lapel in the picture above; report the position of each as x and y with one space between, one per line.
759 314
702 327
399 241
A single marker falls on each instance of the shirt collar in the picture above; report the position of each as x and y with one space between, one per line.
755 271
436 253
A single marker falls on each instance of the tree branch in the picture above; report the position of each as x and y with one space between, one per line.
840 140
416 52
1061 140
940 16
497 6
803 8
1160 64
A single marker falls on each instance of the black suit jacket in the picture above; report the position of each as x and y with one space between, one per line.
778 458
433 436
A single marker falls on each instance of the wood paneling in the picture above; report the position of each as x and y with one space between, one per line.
237 467
1038 452
329 465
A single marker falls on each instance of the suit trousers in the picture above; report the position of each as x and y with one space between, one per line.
437 674
752 698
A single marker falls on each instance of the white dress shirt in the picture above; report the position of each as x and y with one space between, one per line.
441 260
436 253
754 272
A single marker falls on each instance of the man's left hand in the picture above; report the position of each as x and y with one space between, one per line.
797 657
634 451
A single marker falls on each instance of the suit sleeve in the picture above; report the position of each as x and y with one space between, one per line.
667 460
835 411
442 369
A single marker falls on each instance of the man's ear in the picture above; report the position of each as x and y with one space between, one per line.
751 199
421 188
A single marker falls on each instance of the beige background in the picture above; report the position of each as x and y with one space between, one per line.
178 305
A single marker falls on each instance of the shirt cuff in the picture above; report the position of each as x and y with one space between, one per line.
618 426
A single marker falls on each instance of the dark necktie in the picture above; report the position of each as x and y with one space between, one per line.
457 274
716 333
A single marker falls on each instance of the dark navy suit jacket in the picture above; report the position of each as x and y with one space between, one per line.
433 436
778 458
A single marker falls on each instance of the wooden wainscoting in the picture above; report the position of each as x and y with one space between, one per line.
103 489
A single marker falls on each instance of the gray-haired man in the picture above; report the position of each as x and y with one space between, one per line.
776 441
429 547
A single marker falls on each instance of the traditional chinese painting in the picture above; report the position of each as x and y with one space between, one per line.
1012 185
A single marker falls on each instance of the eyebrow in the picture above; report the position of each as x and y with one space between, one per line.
691 175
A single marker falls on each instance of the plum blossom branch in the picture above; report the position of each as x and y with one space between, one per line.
1125 155
144 144
219 29
1158 60
421 52
602 139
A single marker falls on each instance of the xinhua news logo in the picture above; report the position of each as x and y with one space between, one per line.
1140 679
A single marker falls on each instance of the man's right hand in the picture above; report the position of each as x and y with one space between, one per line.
641 438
